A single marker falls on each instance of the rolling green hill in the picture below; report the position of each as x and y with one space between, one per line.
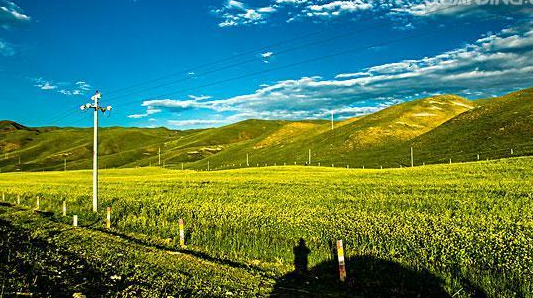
439 128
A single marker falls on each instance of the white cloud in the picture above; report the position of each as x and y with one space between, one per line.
6 49
336 8
194 122
64 88
11 14
199 98
494 64
236 13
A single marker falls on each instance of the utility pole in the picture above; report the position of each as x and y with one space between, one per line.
96 109
412 158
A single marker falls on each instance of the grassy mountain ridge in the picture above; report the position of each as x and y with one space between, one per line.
438 128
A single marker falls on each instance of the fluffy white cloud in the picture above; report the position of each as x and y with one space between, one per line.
336 8
403 12
494 64
236 13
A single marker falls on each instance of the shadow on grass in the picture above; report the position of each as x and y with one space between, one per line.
367 276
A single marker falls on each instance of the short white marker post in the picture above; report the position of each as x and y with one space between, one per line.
450 161
64 208
347 166
381 167
108 218
363 167
478 157
3 196
319 164
75 221
342 264
38 203
18 199
182 233
512 151
332 165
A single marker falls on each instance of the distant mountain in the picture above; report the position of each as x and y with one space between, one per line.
438 128
8 126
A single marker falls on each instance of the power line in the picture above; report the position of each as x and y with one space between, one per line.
384 24
318 59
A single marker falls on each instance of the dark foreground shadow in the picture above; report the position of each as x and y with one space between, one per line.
366 277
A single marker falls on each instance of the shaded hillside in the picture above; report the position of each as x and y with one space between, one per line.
492 129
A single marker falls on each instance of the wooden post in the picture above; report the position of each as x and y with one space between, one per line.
182 233
512 151
108 218
64 208
182 166
75 220
247 160
342 264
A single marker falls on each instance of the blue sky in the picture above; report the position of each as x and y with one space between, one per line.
55 54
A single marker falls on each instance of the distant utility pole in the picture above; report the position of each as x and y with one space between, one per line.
331 120
96 109
412 158
159 155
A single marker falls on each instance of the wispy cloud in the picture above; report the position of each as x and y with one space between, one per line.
194 122
266 56
494 64
64 88
11 14
6 49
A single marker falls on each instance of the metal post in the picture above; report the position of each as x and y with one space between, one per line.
95 155
96 109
